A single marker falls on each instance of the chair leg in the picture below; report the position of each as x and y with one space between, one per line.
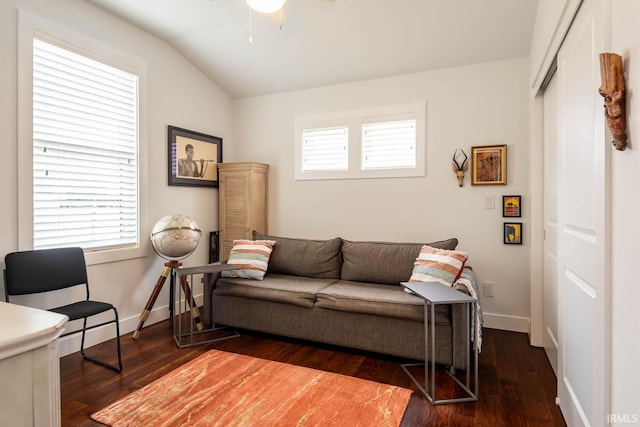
117 368
115 312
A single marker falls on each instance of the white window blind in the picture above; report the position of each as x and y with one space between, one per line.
380 142
85 151
389 144
325 149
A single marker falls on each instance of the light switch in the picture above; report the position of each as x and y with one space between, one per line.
489 201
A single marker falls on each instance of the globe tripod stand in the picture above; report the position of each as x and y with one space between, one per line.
168 269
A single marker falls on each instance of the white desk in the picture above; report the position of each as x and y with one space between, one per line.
29 365
435 293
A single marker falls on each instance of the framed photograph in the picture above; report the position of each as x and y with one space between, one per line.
193 158
214 253
512 233
489 165
511 206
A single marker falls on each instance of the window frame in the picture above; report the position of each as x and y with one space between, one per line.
355 120
31 26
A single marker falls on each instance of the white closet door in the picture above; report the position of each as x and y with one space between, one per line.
583 225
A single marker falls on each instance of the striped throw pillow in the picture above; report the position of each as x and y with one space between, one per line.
252 258
438 265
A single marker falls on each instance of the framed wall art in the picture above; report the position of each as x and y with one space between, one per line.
193 158
511 206
512 233
489 165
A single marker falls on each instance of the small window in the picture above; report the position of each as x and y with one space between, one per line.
375 143
389 144
325 149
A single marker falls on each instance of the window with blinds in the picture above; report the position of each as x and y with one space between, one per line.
325 149
384 142
85 151
389 144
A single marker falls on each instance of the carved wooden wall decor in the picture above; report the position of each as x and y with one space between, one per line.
613 90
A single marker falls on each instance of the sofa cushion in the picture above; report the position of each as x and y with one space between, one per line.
319 259
252 258
383 262
438 265
287 289
379 300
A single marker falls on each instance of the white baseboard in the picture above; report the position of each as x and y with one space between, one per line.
71 344
506 323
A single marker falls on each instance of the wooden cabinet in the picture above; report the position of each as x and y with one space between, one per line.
29 366
242 202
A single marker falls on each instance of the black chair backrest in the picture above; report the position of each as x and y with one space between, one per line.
44 270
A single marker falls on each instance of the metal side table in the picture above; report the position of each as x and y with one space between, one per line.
435 293
188 329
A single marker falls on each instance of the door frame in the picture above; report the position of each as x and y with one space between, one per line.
536 165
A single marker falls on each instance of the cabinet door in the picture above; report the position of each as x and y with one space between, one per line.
234 215
243 202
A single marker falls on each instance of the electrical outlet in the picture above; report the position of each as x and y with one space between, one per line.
488 289
489 201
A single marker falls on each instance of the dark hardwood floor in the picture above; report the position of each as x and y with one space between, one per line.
516 382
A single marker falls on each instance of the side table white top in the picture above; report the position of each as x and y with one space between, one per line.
24 328
437 293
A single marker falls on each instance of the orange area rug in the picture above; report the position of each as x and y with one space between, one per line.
227 389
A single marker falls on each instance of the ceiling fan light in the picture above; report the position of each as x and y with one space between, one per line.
266 6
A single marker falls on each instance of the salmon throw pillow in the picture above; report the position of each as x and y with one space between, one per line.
251 257
438 265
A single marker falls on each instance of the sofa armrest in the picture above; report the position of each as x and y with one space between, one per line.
462 288
459 321
209 285
460 316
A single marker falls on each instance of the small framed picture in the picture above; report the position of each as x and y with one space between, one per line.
512 233
193 158
489 165
214 253
511 206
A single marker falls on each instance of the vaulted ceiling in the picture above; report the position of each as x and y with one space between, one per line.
325 42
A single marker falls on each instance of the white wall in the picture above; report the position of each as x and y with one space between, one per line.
178 94
625 393
466 106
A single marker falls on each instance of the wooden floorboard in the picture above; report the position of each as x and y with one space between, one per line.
516 382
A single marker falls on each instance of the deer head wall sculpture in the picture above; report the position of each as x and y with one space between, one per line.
460 169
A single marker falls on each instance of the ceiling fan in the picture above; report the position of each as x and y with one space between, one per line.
266 6
273 9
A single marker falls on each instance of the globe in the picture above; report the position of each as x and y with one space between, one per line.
175 237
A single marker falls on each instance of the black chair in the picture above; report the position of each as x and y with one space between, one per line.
46 270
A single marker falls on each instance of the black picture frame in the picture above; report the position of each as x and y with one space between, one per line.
512 233
202 169
511 206
214 251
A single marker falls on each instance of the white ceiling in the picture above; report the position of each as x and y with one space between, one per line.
326 42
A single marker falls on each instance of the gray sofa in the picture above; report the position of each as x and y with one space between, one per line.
339 292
